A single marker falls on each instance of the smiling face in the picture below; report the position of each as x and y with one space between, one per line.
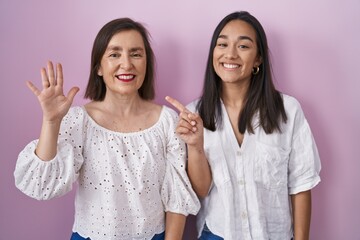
123 65
236 53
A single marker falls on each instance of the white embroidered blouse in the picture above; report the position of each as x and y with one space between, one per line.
249 197
127 181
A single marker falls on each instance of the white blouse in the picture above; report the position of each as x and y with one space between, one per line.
127 181
249 197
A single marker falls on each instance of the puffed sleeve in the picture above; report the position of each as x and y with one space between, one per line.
177 193
48 179
304 163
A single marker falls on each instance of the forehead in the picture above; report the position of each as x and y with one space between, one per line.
238 28
127 39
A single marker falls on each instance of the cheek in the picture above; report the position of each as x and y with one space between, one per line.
216 68
215 61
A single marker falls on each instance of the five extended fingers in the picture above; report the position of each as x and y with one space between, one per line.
49 78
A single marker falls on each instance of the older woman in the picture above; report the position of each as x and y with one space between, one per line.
121 147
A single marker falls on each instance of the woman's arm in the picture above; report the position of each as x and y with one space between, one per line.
175 224
191 130
54 106
199 170
301 208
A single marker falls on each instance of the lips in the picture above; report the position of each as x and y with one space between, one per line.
125 77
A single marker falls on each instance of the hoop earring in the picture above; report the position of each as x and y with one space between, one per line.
255 70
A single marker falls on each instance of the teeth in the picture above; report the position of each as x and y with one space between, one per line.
125 77
227 65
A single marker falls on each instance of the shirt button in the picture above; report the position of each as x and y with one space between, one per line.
244 215
241 182
238 153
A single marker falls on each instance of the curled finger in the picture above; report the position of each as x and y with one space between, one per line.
185 116
185 124
182 130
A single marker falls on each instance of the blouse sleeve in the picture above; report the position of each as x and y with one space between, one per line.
48 179
177 193
304 164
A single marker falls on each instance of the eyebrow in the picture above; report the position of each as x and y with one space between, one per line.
117 48
239 38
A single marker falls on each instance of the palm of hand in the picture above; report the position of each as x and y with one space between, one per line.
53 103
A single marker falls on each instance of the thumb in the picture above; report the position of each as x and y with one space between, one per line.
72 92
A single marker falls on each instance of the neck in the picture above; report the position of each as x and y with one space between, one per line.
122 105
233 95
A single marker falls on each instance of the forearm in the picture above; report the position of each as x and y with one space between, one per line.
175 224
47 145
199 171
301 206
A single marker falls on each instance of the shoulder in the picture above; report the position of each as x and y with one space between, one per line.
192 105
294 112
290 102
167 112
75 112
152 108
74 117
292 106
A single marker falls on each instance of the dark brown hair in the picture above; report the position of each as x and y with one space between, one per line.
96 88
262 97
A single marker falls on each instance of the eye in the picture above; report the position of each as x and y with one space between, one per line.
136 55
222 45
114 55
243 46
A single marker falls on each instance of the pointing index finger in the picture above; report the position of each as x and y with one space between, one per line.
175 103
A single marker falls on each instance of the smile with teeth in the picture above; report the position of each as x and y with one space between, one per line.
230 66
125 77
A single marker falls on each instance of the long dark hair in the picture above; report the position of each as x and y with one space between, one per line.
262 97
96 88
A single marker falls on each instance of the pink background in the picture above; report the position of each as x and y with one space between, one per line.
315 52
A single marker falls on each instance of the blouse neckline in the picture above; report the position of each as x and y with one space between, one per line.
93 122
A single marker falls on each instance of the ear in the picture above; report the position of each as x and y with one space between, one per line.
258 61
99 72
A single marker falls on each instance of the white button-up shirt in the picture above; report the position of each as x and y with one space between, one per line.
249 197
127 181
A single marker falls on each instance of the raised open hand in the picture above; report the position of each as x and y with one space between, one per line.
190 125
51 98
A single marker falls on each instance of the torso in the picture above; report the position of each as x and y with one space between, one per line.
233 114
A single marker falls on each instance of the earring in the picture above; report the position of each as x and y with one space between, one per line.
255 70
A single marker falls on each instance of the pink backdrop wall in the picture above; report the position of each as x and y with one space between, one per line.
315 51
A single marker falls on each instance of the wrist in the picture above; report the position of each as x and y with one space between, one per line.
196 148
51 122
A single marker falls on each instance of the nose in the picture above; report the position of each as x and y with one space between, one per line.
125 62
231 52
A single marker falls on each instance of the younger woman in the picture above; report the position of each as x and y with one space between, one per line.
256 141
